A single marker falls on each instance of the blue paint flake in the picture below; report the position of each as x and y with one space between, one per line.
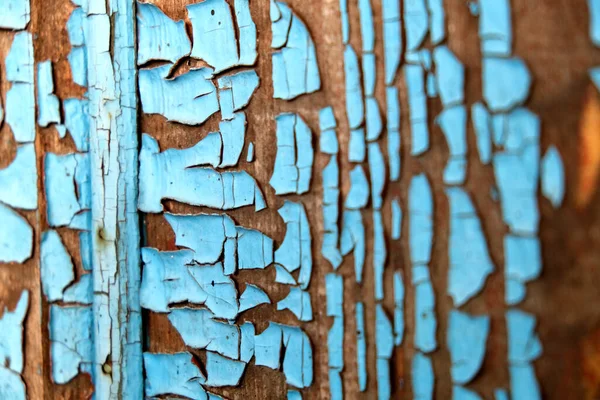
247 32
450 76
437 16
355 109
295 155
80 292
522 264
361 347
14 14
396 219
174 98
77 122
77 57
482 124
393 132
222 371
20 98
175 374
71 344
298 302
495 28
11 350
358 196
594 10
523 348
500 394
374 122
330 241
283 276
392 38
247 332
294 395
56 268
416 24
334 285
68 189
467 337
353 239
398 309
267 346
253 296
345 21
425 320
420 204
250 152
377 174
379 254
460 393
423 379
499 96
159 37
16 236
470 262
384 337
453 122
48 103
367 29
357 149
173 174
295 68
235 91
295 251
417 100
18 181
553 177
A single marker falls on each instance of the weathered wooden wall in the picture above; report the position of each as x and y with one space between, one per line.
551 36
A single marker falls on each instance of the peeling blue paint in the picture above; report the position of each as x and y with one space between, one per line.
553 177
355 109
222 371
358 196
416 24
425 319
235 91
379 254
357 149
423 379
294 395
11 350
499 96
437 17
335 338
253 296
466 337
295 155
420 206
48 103
453 122
384 339
345 21
353 239
295 68
522 264
361 346
417 101
16 236
450 77
77 122
481 120
523 348
283 276
76 26
14 14
398 309
250 153
460 393
298 302
56 267
396 219
470 262
495 28
175 374
18 181
377 174
392 38
159 37
393 132
594 10
295 250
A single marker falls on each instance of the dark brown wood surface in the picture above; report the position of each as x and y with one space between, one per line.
550 35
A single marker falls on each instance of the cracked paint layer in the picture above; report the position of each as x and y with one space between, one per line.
495 28
470 262
384 337
298 302
235 92
353 240
214 34
294 57
173 374
334 285
56 269
18 181
417 101
396 219
392 38
481 120
524 347
295 155
355 109
553 177
361 346
77 122
253 296
14 14
76 26
48 103
379 254
466 338
398 308
159 37
423 379
16 236
11 350
295 250
178 175
393 132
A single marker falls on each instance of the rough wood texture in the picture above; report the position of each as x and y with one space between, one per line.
551 36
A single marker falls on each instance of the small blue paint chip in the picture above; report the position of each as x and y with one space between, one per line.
553 177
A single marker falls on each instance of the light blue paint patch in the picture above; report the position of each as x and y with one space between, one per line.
345 21
432 88
295 69
417 100
327 119
384 337
522 264
295 251
172 277
80 292
235 91
460 393
71 341
172 175
392 39
466 337
16 236
85 250
330 240
481 120
524 347
267 346
223 371
295 155
523 129
416 24
254 249
495 28
18 181
334 286
214 37
353 238
253 296
77 122
379 253
499 96
377 174
250 152
12 386
60 129
298 357
398 309
553 177
173 98
367 28
358 196
393 132
48 103
392 108
355 109
298 302
159 37
500 394
294 395
20 98
336 390
200 330
437 18
474 8
11 347
420 205
453 122
357 149
283 276
361 347
247 32
56 267
232 134
247 332
450 76
374 123
14 15
77 57
594 10
523 382
595 76
425 320
422 377
470 261
68 189
173 374
396 219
